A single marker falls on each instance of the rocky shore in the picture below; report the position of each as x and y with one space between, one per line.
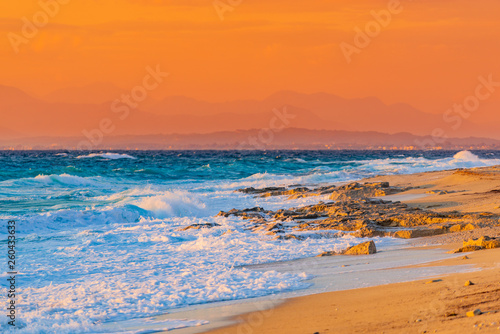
360 209
458 209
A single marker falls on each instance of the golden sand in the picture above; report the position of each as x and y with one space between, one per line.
456 303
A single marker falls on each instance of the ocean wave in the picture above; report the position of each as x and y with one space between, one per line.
110 156
126 267
69 219
359 169
131 256
51 180
65 179
173 204
156 201
466 156
462 159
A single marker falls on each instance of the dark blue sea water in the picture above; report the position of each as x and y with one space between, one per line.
193 165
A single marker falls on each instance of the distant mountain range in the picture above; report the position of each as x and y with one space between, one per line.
259 139
69 112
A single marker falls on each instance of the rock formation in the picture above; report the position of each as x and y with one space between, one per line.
364 248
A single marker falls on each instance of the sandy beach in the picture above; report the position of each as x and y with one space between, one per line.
433 305
439 305
230 166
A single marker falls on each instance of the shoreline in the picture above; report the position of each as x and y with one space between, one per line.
440 191
421 306
228 315
426 264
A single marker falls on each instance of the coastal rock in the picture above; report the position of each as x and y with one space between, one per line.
200 226
331 253
409 234
274 228
467 249
364 248
483 242
461 227
256 212
437 192
356 190
369 232
295 215
474 313
324 190
295 191
252 190
362 217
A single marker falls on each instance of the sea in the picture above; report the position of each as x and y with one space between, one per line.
100 239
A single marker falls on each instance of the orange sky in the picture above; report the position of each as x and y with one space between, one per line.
430 55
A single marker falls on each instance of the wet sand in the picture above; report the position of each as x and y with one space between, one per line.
420 306
424 306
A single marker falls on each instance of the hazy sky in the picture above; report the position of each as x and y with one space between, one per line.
429 54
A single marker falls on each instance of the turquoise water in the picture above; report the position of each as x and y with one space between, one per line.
100 235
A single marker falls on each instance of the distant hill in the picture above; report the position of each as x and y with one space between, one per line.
97 93
334 113
291 138
57 117
9 134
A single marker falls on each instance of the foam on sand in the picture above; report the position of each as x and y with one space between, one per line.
147 325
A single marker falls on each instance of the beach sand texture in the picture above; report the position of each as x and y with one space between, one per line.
446 304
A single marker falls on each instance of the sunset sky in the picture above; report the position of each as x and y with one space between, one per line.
430 55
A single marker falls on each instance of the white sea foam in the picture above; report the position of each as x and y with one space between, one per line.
365 168
131 258
172 204
110 156
159 268
122 252
466 156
